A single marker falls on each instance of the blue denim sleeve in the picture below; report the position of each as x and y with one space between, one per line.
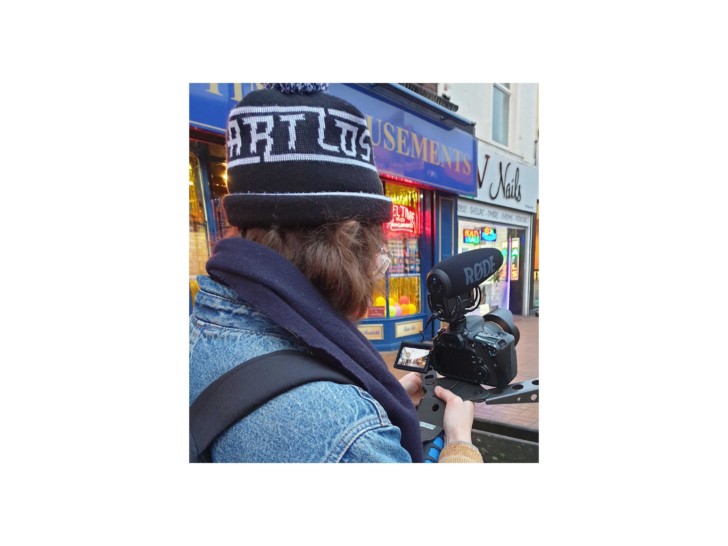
320 422
377 445
372 438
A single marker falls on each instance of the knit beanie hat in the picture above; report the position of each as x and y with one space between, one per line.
298 156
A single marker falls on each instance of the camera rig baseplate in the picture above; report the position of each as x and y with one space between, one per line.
431 409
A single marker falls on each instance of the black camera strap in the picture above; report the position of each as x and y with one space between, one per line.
245 388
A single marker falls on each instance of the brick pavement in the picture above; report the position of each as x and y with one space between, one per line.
523 415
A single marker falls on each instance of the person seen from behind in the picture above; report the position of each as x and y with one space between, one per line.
309 208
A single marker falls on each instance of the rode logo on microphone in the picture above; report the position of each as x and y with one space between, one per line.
480 271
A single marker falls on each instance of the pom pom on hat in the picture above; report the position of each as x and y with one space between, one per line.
298 88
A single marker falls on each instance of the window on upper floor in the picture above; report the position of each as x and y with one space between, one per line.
501 109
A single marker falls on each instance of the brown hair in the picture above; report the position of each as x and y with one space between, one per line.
337 258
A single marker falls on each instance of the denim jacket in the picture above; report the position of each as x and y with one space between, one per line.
316 422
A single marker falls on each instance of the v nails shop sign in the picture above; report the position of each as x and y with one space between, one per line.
506 182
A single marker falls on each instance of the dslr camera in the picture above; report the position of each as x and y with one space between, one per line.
475 349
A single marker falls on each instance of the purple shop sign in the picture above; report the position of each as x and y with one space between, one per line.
406 144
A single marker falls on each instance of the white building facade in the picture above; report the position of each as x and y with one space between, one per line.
504 213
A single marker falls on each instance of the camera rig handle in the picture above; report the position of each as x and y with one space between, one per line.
431 409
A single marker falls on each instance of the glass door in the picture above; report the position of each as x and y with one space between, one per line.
474 235
516 242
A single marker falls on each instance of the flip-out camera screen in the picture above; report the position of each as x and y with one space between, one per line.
413 357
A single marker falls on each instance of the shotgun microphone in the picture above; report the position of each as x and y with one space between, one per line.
461 273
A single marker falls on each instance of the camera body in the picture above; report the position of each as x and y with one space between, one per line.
476 349
479 351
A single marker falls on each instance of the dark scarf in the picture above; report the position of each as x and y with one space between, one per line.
277 288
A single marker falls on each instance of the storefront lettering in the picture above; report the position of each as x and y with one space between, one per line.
403 219
237 90
471 236
372 331
407 328
481 178
511 190
493 215
408 143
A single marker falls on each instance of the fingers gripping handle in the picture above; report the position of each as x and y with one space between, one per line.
431 410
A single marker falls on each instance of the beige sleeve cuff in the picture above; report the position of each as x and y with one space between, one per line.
460 452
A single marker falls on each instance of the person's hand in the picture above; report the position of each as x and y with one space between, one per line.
458 418
412 383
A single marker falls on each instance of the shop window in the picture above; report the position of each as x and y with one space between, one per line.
495 289
208 186
218 190
199 241
399 293
501 109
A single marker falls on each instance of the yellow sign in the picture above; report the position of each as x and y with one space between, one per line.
372 331
404 329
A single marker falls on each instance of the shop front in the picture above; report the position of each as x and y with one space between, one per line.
426 159
502 216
